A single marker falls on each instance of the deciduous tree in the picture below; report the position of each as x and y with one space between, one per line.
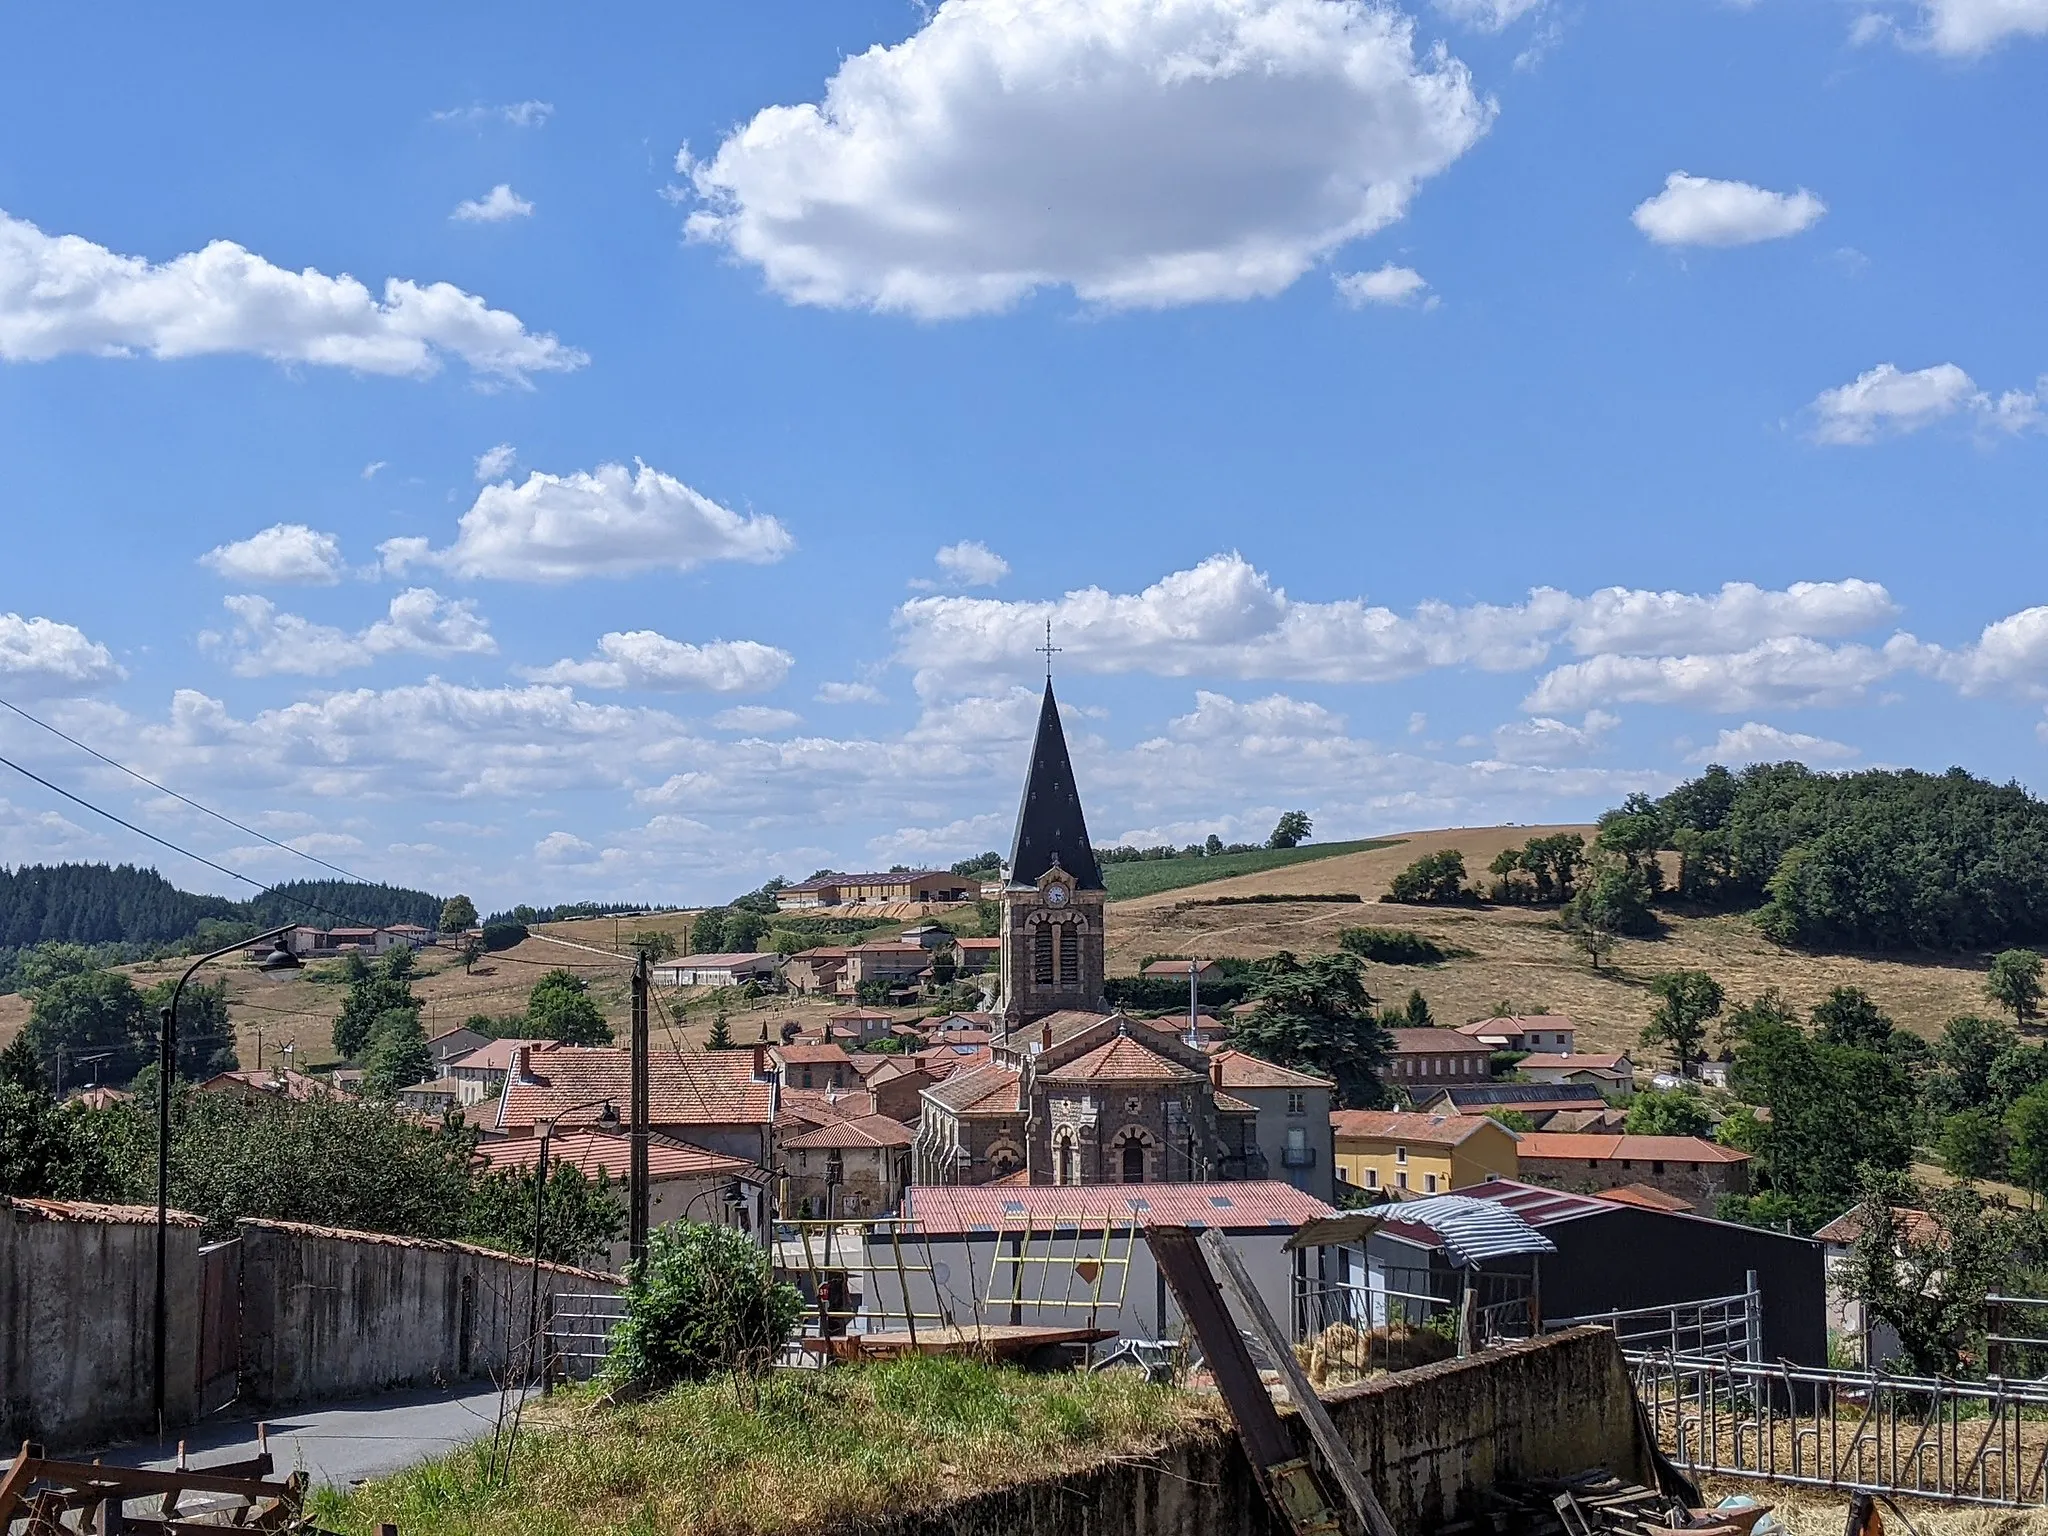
2014 982
458 914
1316 1014
1686 1000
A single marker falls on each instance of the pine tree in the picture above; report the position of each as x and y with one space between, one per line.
721 1033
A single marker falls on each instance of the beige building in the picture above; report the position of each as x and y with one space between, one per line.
1424 1060
854 1167
1613 1075
1524 1032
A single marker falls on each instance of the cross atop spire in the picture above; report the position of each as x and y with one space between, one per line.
1048 650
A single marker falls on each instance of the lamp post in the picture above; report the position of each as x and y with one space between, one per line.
280 958
544 1127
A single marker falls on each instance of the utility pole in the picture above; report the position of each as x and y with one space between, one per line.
637 1192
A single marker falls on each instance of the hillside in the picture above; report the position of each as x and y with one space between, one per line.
1519 956
1150 877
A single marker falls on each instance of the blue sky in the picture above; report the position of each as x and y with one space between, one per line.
1443 416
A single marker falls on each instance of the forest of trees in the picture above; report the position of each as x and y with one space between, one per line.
1872 860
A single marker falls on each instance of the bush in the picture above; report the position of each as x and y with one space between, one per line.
704 1301
1392 946
499 936
1163 994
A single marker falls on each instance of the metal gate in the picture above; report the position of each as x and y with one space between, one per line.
220 1325
1969 1442
1723 1326
579 1327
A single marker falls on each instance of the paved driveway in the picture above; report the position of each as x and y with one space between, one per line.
342 1443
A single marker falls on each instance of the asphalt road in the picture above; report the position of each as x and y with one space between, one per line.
342 1443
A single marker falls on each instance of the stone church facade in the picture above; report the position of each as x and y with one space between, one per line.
1075 1094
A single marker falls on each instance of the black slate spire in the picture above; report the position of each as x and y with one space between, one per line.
1049 822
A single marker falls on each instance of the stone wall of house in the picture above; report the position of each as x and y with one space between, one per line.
1102 1118
77 1321
1430 1440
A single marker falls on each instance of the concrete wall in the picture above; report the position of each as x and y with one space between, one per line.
77 1321
329 1314
1431 1440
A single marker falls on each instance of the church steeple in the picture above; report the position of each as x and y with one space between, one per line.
1050 825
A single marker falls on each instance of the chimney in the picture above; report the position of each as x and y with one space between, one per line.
760 1062
1045 1036
521 1072
1216 1071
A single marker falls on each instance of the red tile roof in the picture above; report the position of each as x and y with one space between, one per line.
700 1088
1915 1225
1437 1042
800 1055
591 1151
1264 1205
1121 1060
1552 1061
1517 1023
986 1090
30 1209
1397 1125
496 1056
1579 1146
274 1082
1241 1070
811 1106
1648 1196
867 1131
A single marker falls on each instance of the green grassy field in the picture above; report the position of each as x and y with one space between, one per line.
1152 876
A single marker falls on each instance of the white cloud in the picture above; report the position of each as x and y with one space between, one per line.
756 719
1146 154
1488 15
2009 656
64 294
1218 717
494 207
1754 742
1547 740
972 563
643 659
1787 673
284 554
1386 285
947 844
1968 28
608 522
520 114
1885 399
1224 618
1698 210
420 622
848 693
370 469
1621 619
495 463
44 656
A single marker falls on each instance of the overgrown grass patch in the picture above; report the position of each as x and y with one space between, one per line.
802 1451
1148 877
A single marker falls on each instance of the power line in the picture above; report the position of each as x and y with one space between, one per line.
184 799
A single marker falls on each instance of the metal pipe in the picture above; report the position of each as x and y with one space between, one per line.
166 1070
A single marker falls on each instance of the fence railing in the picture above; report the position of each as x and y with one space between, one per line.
1961 1441
1725 1326
579 1332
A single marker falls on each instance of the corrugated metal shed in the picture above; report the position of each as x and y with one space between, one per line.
1470 1231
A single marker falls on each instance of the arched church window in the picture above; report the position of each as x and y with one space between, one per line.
1066 1161
1041 954
1070 956
1134 1161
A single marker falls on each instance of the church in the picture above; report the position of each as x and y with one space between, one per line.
1076 1093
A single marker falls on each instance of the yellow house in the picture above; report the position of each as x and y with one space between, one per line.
1421 1154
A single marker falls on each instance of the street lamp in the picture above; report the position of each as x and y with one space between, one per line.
280 958
544 1127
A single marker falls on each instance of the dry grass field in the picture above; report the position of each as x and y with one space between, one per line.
1517 958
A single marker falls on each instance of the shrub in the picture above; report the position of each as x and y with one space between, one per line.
1392 946
499 936
703 1301
1435 877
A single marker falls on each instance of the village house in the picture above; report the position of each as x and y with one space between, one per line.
1425 1059
918 885
974 957
1294 1126
853 1167
812 1066
859 1024
1523 1032
485 1068
891 965
439 1096
1177 970
1614 1075
272 1085
723 1101
721 970
684 1182
451 1043
1415 1153
1695 1169
815 970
